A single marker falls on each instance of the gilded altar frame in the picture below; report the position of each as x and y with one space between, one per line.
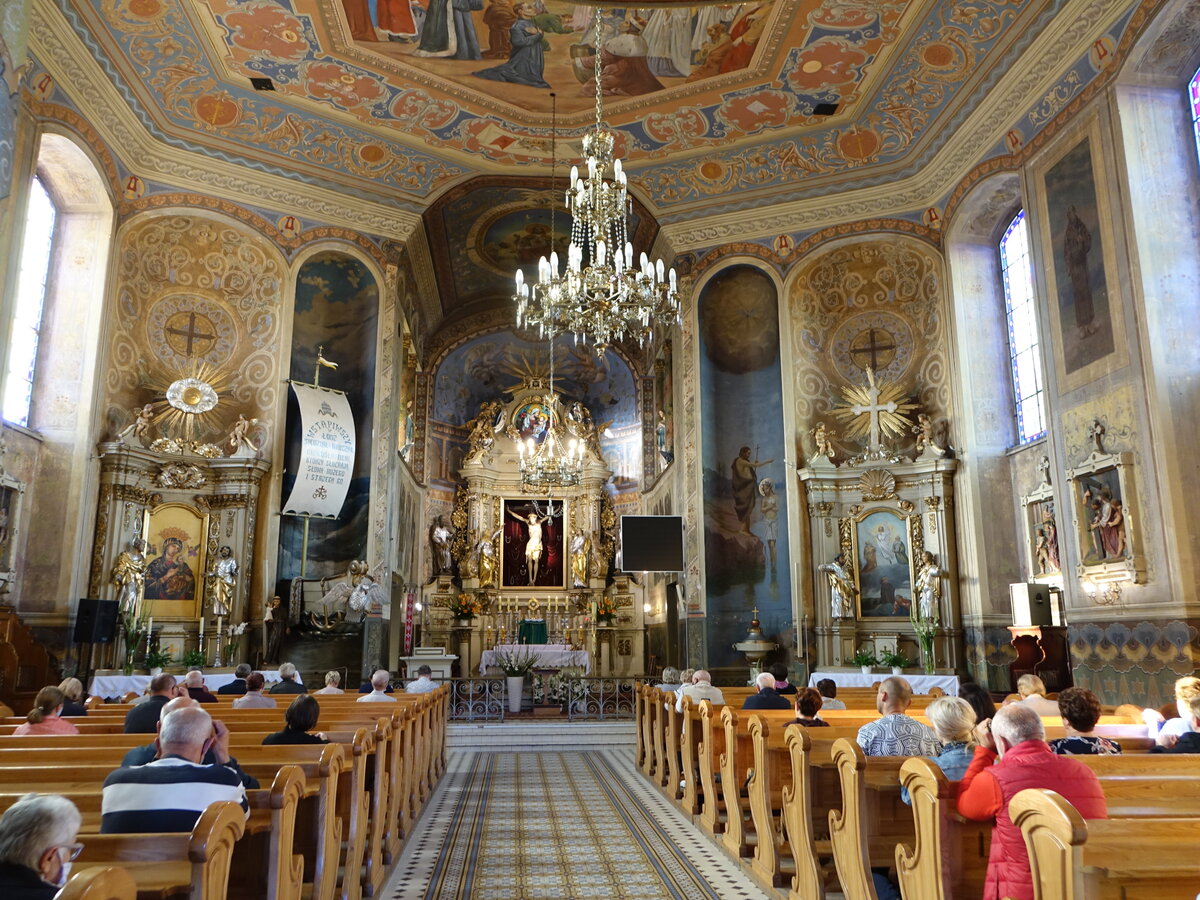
863 550
182 522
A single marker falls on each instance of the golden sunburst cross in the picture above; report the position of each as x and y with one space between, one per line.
877 411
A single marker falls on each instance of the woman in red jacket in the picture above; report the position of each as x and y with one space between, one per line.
1026 761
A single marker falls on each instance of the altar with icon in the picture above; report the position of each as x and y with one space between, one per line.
530 566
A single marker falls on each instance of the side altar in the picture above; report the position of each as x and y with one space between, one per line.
527 554
881 525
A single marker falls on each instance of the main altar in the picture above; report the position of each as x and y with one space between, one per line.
525 560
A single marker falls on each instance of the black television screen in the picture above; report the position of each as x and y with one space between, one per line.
651 543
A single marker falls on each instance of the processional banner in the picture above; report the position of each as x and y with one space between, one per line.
326 452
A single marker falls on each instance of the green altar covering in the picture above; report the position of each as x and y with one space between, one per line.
531 631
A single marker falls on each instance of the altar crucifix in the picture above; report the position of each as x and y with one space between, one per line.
873 408
876 412
533 544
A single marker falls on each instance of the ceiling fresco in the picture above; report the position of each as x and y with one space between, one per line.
382 97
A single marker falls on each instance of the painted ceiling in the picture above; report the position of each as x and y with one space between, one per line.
728 104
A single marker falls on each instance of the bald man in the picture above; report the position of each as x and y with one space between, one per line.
896 734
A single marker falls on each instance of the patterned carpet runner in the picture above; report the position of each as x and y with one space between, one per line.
558 826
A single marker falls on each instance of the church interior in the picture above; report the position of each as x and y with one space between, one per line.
593 344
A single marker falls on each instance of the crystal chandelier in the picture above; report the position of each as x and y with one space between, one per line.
602 295
555 462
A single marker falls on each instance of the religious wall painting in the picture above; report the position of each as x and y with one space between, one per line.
534 420
177 538
747 564
883 564
664 409
336 313
10 499
1078 246
533 546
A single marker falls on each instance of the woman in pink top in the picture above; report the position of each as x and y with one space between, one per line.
43 718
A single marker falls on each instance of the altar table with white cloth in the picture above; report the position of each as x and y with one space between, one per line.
920 683
120 685
549 656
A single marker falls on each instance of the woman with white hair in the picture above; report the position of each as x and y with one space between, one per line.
37 844
72 689
953 720
670 679
332 679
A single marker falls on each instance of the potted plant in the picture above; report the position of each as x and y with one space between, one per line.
195 658
864 658
464 608
896 660
156 659
516 664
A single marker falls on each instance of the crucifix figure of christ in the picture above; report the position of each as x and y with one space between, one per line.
191 333
874 408
873 347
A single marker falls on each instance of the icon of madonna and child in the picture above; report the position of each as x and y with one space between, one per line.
534 421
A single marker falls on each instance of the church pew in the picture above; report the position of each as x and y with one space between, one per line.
100 883
770 781
194 865
1074 859
712 746
948 857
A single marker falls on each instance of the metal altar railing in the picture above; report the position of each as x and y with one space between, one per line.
479 699
588 697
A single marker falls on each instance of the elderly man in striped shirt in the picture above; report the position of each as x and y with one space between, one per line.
170 793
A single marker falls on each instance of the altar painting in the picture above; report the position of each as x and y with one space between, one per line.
747 565
883 565
176 538
530 524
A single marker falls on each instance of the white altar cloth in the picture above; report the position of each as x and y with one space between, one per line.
549 656
920 683
119 685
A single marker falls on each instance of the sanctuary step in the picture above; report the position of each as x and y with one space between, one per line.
535 735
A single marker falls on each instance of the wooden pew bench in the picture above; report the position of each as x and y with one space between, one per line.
1074 859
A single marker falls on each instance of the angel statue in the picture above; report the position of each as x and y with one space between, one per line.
929 587
241 447
361 593
139 429
485 426
822 438
841 588
129 575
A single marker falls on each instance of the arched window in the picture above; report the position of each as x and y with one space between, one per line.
36 249
1023 351
1194 102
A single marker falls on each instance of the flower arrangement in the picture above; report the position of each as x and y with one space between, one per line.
464 606
925 629
864 657
895 659
133 631
606 610
516 663
234 640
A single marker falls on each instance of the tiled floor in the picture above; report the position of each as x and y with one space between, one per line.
558 826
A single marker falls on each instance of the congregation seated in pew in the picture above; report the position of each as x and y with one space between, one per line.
782 685
1017 736
980 699
1189 741
828 689
170 793
143 718
1033 695
808 705
954 725
671 679
1080 710
299 719
237 687
379 688
424 683
140 756
254 698
700 688
1186 690
194 683
287 681
37 845
895 733
45 717
767 697
332 679
72 689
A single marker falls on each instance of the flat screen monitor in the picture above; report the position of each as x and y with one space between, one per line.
651 543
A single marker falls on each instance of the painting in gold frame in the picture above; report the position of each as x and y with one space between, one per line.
176 559
882 547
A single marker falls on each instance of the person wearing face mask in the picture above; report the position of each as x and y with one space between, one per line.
170 793
37 844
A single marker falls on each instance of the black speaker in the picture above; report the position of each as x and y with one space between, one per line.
95 621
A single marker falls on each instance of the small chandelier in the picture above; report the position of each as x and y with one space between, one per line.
601 296
555 462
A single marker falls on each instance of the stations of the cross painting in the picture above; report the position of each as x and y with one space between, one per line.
191 331
873 347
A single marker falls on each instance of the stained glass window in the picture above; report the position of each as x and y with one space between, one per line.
1028 381
36 249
